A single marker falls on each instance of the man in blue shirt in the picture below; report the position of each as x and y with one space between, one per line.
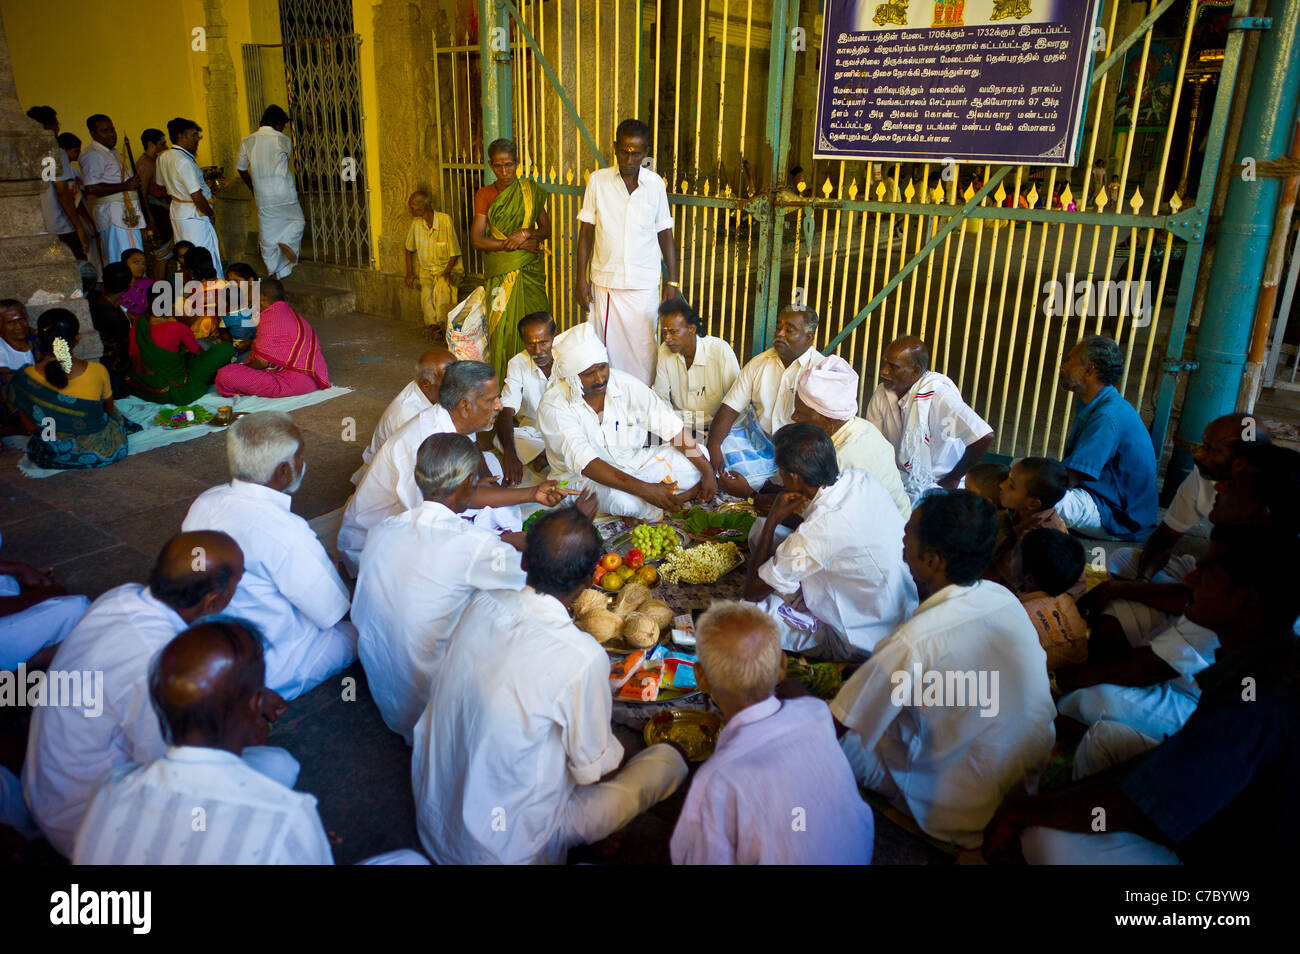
1109 455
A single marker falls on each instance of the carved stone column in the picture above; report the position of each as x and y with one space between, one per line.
35 267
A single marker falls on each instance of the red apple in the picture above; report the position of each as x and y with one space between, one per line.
635 559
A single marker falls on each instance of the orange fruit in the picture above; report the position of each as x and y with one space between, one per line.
647 576
611 582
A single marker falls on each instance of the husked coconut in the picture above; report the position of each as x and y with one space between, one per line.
640 631
600 623
657 610
590 600
629 598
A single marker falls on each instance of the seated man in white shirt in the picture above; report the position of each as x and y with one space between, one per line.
468 402
777 788
936 435
1221 444
836 585
71 747
200 802
954 710
760 403
510 752
528 375
290 588
695 371
35 614
827 396
421 394
418 570
596 420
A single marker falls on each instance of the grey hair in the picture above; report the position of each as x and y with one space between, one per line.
443 462
750 677
1105 357
462 381
257 444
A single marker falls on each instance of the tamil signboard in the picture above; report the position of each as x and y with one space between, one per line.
971 80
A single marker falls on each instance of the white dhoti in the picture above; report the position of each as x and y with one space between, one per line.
801 632
116 241
1156 711
528 443
111 221
627 321
1105 745
437 298
1139 621
597 811
655 465
279 225
191 225
310 662
24 634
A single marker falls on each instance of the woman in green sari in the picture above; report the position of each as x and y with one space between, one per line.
167 364
67 402
510 224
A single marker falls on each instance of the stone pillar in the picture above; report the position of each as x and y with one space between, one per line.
236 213
35 267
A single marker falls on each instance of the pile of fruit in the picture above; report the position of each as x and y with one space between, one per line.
614 571
654 542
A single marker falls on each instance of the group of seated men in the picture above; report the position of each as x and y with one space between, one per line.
954 607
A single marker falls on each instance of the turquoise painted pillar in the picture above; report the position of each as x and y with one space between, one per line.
1244 234
494 47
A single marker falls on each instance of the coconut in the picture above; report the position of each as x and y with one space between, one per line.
600 623
657 610
629 598
640 631
590 600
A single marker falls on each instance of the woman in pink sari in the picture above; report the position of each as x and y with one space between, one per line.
286 357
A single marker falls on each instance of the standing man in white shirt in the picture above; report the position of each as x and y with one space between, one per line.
953 711
69 747
626 226
510 752
107 187
208 687
419 395
937 435
290 588
263 164
193 217
836 584
528 375
695 371
418 571
760 403
596 421
827 396
468 402
776 762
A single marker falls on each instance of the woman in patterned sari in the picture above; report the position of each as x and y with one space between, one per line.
68 402
510 224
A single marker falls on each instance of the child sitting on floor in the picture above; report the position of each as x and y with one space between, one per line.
1031 491
1050 563
985 478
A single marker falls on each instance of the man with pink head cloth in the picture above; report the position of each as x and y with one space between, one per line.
827 396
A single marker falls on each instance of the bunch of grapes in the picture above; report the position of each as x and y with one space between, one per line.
654 542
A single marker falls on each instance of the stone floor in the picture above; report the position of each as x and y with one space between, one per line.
103 528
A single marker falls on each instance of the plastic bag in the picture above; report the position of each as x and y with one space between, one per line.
466 331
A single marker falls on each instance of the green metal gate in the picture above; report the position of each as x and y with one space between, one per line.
966 259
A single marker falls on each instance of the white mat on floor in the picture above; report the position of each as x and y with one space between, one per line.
153 436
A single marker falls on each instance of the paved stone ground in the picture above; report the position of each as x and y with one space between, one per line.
103 528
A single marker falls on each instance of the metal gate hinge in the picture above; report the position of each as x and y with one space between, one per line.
1189 224
1250 23
1178 365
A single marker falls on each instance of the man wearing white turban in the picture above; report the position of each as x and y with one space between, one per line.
595 420
827 396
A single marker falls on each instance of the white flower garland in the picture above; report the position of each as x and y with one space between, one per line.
63 355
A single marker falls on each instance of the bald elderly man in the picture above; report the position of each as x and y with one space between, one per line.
827 397
596 420
202 802
778 788
432 253
936 435
419 395
70 748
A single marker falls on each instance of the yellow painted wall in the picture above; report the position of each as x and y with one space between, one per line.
83 57
363 22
